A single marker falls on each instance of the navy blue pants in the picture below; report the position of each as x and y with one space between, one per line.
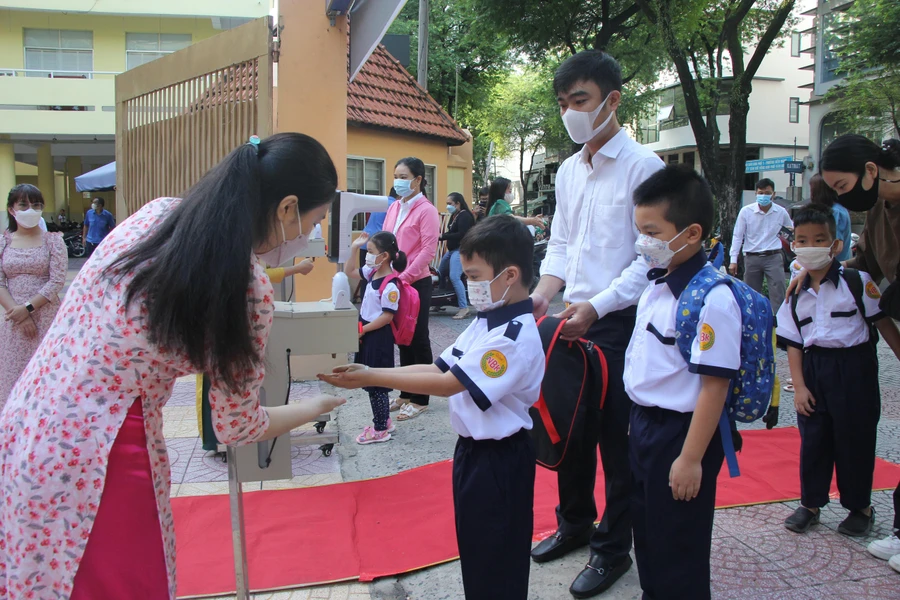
493 497
577 476
672 538
840 434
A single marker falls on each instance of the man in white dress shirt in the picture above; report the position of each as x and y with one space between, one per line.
591 253
757 230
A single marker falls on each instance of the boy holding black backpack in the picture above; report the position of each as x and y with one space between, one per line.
675 440
828 328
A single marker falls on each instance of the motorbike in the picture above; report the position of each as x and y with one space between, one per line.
74 245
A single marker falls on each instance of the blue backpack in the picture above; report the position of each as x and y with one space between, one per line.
751 390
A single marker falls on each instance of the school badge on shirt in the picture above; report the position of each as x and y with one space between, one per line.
393 296
707 337
493 364
872 291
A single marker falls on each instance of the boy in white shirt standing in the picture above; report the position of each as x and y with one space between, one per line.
491 375
834 365
674 442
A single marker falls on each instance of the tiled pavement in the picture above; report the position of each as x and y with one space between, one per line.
754 556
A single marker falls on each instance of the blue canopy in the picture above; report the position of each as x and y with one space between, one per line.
102 179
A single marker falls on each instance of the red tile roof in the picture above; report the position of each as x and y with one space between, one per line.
385 95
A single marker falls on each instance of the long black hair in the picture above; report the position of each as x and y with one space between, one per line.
820 193
22 191
849 154
459 199
417 168
192 273
498 192
385 241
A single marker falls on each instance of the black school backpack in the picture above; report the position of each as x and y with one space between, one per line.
575 377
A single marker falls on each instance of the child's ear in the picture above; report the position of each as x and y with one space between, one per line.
513 273
694 234
838 247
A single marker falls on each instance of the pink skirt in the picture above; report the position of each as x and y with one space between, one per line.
125 558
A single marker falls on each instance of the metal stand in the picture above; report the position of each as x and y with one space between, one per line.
238 536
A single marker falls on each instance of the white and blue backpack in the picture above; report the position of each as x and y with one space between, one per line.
751 390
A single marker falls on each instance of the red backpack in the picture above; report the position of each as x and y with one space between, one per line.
404 323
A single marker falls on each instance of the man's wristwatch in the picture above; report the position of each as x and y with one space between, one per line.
29 307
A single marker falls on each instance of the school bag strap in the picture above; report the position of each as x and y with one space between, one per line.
717 256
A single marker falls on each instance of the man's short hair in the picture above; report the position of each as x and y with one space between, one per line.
589 65
686 194
501 241
816 214
484 191
100 201
764 183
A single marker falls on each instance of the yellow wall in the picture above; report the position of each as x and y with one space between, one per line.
231 8
109 55
392 146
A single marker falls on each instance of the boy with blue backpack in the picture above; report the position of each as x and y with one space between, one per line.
700 357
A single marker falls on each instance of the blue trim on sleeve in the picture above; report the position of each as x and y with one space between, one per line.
713 371
442 365
393 311
481 401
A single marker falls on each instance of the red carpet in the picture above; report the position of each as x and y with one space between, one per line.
368 529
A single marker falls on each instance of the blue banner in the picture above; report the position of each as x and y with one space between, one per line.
767 164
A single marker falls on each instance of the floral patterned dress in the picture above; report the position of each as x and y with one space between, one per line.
65 412
26 272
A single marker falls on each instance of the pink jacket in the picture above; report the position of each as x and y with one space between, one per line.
417 236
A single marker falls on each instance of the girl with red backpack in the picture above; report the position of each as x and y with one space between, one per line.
380 304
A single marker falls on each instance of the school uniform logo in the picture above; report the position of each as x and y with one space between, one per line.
872 291
707 337
493 364
393 297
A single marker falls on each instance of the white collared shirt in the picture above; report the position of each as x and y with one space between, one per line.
405 207
592 246
757 231
656 373
499 359
830 318
377 301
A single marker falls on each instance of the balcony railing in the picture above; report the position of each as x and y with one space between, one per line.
57 74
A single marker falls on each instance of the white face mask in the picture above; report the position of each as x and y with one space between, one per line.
28 218
288 249
508 197
813 258
370 261
580 125
480 295
656 252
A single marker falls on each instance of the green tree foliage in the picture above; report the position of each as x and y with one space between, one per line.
522 118
709 42
868 99
461 56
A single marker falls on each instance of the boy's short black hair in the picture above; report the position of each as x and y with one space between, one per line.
685 191
501 241
589 65
815 214
764 183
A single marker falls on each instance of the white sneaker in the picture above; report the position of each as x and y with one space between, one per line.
886 549
895 562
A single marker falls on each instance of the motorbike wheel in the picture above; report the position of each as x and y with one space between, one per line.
75 248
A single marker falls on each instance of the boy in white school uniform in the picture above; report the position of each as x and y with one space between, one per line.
492 375
674 443
834 365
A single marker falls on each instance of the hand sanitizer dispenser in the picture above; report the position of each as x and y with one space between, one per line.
340 292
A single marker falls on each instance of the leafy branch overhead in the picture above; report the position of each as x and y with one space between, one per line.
866 40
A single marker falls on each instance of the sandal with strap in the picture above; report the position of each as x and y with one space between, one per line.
410 411
396 405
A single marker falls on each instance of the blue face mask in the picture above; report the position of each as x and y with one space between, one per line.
451 209
763 200
403 187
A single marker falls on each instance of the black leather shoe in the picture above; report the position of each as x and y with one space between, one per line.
598 576
557 546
